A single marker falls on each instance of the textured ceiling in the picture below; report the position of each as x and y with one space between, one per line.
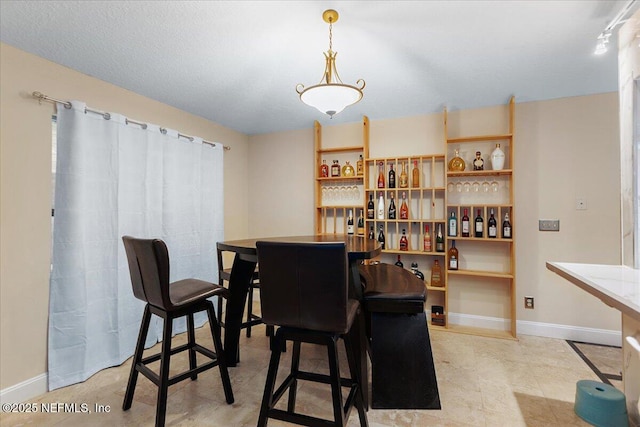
237 62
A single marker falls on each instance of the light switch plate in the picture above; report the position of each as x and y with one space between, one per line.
549 225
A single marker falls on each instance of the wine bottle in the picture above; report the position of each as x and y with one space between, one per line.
360 229
372 234
392 177
404 243
381 237
392 208
360 166
404 180
335 168
436 274
479 225
350 223
453 256
506 227
381 206
399 263
453 225
427 239
371 207
439 240
414 270
492 226
415 175
404 209
324 169
380 175
465 224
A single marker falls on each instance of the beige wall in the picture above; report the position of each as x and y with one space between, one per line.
565 148
25 191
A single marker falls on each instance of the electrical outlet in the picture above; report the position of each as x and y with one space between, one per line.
549 224
528 302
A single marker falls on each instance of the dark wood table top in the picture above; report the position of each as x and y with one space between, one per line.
358 247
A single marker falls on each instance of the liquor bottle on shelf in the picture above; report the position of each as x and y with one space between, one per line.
347 170
436 274
414 270
381 237
497 158
453 225
324 170
427 239
453 256
506 227
439 240
399 263
404 208
360 166
371 207
372 234
392 177
381 206
415 175
360 229
404 179
404 243
392 208
478 163
335 168
479 225
465 224
456 164
380 175
350 223
492 230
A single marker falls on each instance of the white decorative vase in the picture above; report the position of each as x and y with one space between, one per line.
497 158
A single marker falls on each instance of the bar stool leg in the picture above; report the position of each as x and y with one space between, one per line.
353 369
192 343
137 357
165 358
295 368
249 310
222 362
270 383
334 372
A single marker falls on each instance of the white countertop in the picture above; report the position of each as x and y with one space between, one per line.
617 286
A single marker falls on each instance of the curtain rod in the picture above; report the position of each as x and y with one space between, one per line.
67 104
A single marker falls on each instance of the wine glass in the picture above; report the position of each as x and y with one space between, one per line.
450 187
485 187
466 187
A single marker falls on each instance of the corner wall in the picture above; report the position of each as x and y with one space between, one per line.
25 194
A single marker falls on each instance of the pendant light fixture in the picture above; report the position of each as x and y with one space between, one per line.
330 96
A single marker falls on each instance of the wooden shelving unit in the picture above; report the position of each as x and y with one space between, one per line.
483 261
336 196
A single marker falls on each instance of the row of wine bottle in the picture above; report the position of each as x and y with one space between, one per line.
436 272
379 212
403 181
479 228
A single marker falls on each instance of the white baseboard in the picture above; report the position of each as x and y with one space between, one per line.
549 330
24 391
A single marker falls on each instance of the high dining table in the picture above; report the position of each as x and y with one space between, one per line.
244 263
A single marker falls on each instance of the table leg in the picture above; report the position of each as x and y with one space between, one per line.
239 284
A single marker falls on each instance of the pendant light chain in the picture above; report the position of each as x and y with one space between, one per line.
330 34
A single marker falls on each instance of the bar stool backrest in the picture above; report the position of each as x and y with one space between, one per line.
149 268
304 285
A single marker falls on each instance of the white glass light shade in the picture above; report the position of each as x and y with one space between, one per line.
331 98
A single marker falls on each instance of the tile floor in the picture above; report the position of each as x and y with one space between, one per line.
482 382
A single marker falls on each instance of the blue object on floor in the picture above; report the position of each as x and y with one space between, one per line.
600 404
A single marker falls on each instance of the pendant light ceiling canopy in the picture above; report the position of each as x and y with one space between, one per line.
330 96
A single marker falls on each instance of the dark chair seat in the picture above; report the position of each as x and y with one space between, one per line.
186 291
392 289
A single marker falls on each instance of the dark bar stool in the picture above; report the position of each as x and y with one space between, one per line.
149 269
304 291
224 274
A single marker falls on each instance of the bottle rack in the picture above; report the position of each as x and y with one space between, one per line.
336 195
483 262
